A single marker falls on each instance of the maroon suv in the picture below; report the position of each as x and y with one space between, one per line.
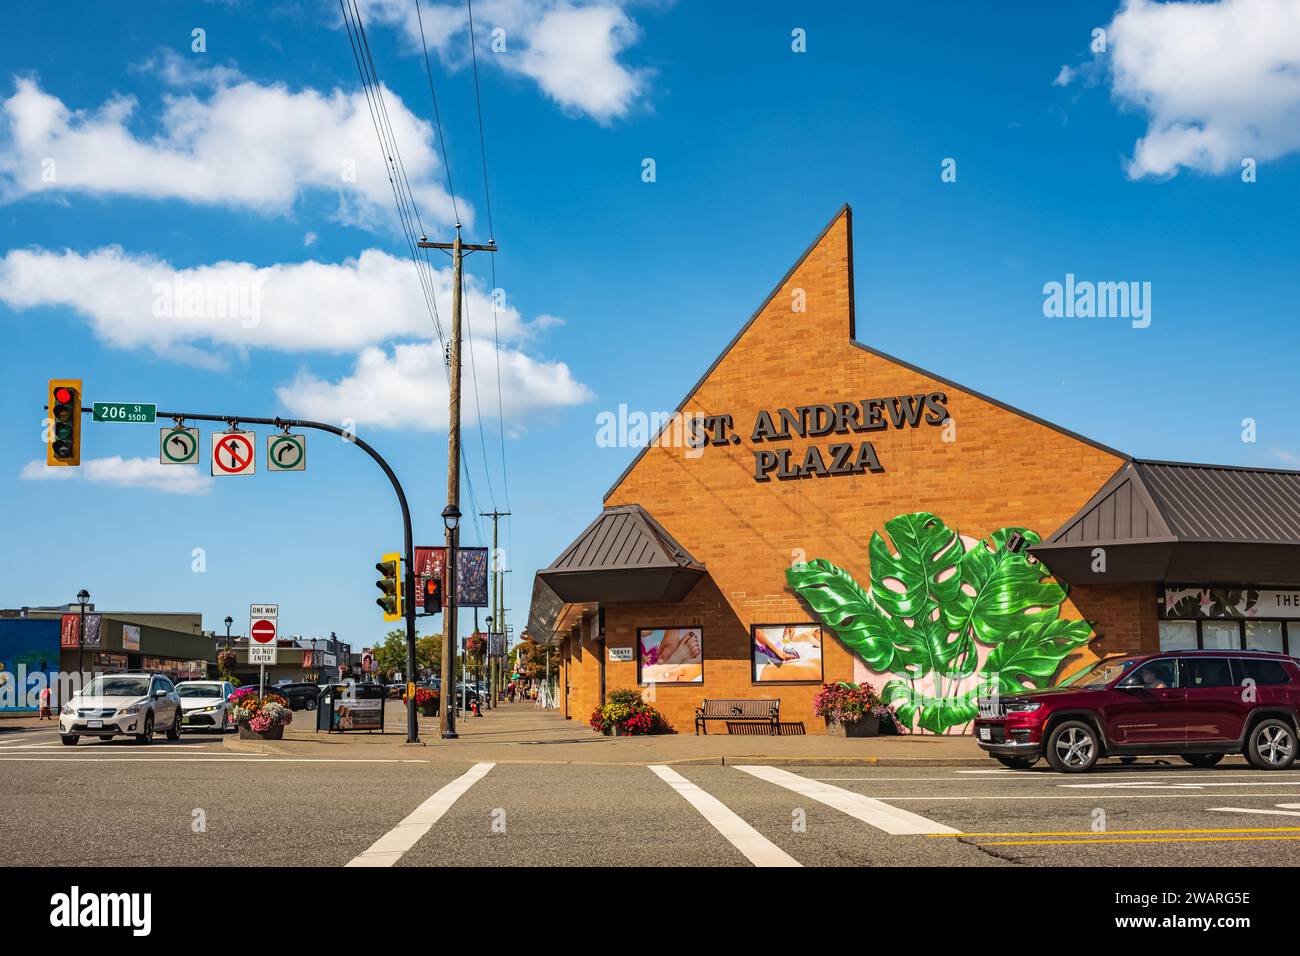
1199 705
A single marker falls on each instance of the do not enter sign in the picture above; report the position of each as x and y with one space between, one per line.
263 631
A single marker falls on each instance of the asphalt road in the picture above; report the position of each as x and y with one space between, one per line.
193 803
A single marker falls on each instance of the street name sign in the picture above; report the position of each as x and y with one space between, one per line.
178 445
135 412
286 453
233 453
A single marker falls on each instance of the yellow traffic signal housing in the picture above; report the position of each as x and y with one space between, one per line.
63 441
390 566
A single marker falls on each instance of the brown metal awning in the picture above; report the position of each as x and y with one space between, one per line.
624 555
1172 521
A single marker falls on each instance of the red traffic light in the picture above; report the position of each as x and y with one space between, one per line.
63 395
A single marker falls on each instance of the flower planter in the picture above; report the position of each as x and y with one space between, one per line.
248 733
866 726
429 709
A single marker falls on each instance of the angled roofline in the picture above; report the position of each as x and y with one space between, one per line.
670 546
1125 472
1198 464
847 211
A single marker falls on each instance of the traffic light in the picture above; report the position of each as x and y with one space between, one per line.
63 444
433 595
390 566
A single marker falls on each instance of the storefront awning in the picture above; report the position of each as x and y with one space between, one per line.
1176 522
624 555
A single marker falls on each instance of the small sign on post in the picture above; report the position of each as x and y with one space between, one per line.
178 445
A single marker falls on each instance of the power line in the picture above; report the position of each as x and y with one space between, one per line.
390 154
437 117
487 195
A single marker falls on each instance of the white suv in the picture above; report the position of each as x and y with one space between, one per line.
122 704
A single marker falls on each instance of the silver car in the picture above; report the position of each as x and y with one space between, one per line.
132 704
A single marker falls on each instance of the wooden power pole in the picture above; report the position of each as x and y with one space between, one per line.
450 633
495 664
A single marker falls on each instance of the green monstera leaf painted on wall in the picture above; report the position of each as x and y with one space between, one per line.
932 603
847 610
1029 659
915 708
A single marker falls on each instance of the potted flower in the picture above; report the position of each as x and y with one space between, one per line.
427 700
260 718
627 715
851 710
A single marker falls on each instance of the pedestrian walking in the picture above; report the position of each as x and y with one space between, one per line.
45 703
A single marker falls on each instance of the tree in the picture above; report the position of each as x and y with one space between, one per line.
531 659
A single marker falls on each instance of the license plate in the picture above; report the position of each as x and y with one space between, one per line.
986 734
94 724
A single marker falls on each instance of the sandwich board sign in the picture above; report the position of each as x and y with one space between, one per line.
178 445
233 453
286 453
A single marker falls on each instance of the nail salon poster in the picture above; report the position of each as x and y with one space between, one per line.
787 652
670 655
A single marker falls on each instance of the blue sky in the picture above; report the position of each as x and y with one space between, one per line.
227 166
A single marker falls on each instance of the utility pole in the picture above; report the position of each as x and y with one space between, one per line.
450 633
496 595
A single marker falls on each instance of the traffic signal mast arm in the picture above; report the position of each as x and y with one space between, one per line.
408 547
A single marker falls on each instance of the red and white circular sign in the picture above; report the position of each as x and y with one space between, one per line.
263 631
232 453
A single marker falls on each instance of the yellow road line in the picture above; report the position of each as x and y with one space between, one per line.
1174 839
1088 833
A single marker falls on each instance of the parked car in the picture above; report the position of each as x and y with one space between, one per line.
395 690
299 696
132 704
1199 705
205 704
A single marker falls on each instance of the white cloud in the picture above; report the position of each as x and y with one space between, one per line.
572 51
1064 77
126 473
408 388
138 301
238 144
210 312
1219 82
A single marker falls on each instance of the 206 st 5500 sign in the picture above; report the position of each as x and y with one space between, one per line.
139 412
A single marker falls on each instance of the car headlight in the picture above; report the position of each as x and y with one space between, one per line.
1027 707
129 711
68 710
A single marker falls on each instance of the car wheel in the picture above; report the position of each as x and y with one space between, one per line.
69 740
1272 745
1073 747
1202 760
144 738
1017 763
311 704
174 731
225 723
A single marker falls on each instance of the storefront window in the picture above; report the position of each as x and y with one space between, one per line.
1264 636
1178 635
1221 635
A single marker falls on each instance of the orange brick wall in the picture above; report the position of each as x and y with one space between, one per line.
1125 615
1002 469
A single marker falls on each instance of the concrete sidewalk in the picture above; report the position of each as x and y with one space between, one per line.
521 733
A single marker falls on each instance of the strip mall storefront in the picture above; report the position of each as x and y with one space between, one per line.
821 511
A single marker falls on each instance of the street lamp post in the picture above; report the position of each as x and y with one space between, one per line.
83 598
447 708
228 621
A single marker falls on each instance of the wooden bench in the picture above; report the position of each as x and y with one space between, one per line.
765 710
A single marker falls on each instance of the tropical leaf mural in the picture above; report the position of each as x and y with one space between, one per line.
933 604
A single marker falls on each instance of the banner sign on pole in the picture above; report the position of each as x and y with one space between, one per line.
471 574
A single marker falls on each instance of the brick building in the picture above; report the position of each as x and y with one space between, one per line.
820 511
